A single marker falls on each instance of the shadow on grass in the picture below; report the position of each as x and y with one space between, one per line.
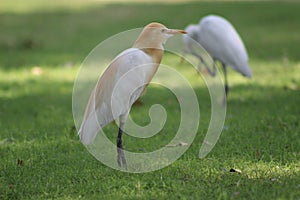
44 110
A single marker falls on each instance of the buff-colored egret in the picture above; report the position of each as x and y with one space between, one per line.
123 82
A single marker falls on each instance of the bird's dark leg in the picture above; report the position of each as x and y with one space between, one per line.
121 157
225 79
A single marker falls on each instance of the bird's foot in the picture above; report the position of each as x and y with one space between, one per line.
121 159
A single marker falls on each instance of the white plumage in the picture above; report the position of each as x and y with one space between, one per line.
220 39
223 43
112 97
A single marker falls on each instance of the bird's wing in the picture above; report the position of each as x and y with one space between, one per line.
223 42
117 89
236 55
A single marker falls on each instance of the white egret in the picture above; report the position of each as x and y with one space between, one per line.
220 39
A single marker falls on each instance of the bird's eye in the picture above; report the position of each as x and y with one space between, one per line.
163 30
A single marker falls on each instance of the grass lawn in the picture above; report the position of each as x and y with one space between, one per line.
42 45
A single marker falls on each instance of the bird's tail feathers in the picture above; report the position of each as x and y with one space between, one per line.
89 129
247 71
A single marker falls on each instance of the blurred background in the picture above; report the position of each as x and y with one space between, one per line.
60 32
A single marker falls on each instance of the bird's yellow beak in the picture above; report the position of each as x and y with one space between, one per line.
175 31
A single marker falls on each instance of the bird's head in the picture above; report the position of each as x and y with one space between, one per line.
192 31
154 35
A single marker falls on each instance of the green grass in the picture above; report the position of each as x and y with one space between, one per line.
263 115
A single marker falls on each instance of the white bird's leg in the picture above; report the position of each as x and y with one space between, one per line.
225 79
121 157
212 73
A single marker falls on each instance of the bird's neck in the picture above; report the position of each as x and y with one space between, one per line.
156 54
151 45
